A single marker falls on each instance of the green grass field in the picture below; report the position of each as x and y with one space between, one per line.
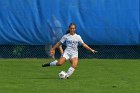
91 76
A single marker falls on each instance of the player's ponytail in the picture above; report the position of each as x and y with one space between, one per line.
68 31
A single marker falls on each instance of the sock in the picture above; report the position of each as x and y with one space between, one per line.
70 71
53 63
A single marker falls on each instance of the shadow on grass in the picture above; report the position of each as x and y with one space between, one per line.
44 78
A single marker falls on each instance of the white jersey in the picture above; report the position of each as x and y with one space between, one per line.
72 42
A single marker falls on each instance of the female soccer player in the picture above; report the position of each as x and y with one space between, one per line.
71 52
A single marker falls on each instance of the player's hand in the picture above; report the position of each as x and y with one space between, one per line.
52 52
94 51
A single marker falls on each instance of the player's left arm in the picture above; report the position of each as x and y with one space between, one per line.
88 48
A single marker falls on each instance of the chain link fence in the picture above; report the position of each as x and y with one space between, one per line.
41 51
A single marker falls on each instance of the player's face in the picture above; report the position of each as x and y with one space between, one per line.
72 29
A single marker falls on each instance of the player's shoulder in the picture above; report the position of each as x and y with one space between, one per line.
66 35
77 35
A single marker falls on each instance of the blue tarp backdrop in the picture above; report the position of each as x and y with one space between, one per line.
40 22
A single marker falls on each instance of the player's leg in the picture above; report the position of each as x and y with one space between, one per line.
55 63
62 60
74 63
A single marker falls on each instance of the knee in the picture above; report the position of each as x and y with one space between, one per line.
59 64
74 66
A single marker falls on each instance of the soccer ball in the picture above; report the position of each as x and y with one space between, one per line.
62 75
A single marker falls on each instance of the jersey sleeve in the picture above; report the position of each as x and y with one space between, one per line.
63 39
80 40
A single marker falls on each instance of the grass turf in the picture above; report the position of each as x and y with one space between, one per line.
91 76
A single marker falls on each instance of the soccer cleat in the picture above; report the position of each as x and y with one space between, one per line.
67 77
45 64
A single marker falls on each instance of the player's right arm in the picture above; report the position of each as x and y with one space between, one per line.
52 51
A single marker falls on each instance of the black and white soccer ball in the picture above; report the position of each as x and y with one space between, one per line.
62 75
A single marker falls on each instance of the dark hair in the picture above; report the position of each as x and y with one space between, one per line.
68 31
